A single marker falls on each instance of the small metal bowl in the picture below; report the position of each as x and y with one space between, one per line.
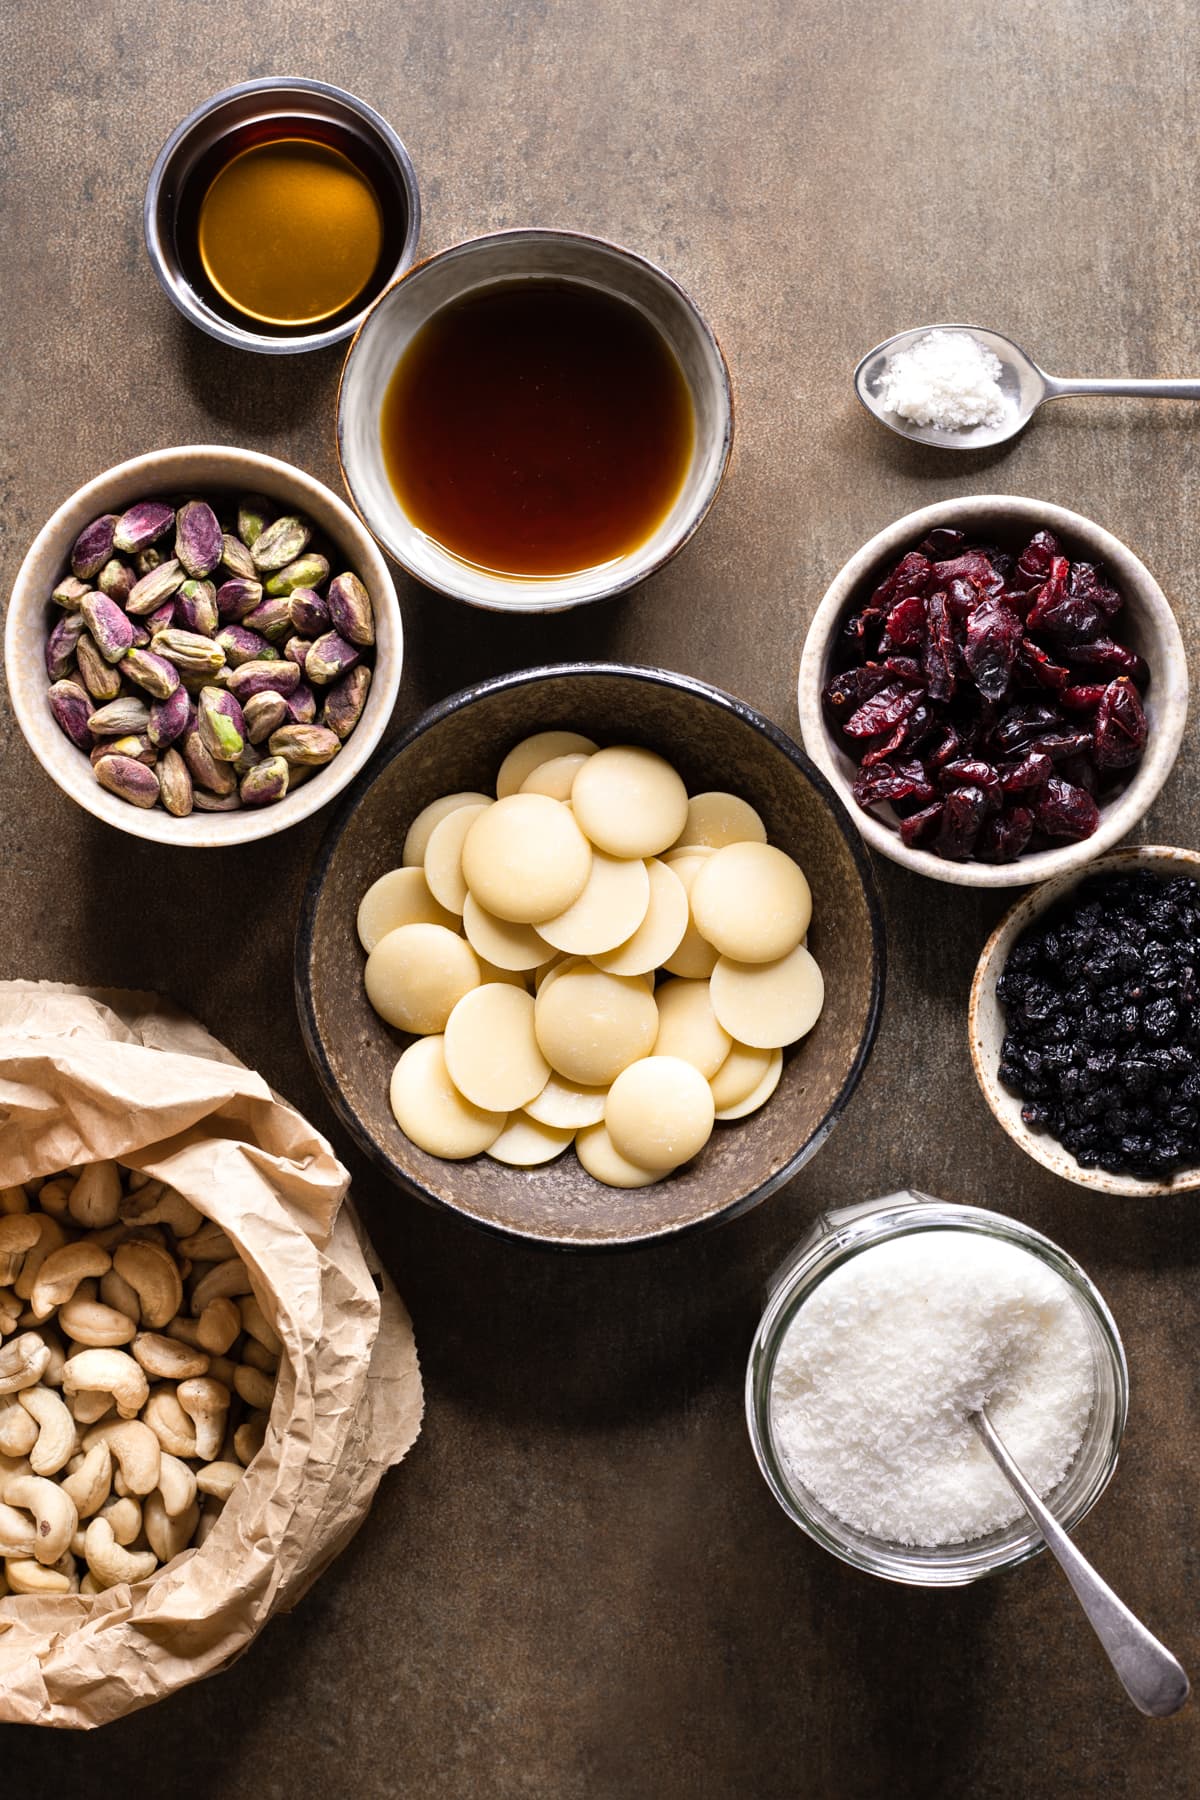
191 153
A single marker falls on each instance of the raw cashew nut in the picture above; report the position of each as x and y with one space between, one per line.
56 1430
90 1484
168 1533
153 1274
18 1431
125 1517
13 1200
92 1323
53 1510
166 1358
255 1357
116 1292
61 1273
51 1236
176 1485
53 1197
25 1577
136 1449
19 1232
169 1423
90 1586
219 1326
109 1563
52 1374
17 1532
224 1280
210 1517
209 1244
108 1372
155 1204
219 1479
10 1311
207 1403
255 1388
257 1325
23 1361
248 1438
95 1200
88 1409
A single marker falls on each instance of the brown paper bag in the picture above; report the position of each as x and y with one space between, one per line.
87 1075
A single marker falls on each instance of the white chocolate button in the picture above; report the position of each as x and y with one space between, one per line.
507 945
524 1143
715 819
770 1004
609 910
531 752
687 1026
692 957
443 855
759 1095
429 1109
566 1105
591 1025
401 897
525 858
739 1075
601 1158
661 931
421 829
417 974
491 1051
630 802
659 1112
751 902
556 777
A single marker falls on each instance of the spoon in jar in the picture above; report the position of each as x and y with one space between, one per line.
1023 387
1150 1675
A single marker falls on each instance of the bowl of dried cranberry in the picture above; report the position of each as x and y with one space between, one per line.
997 688
1084 1023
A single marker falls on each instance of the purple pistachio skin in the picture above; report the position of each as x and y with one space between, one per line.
169 718
264 713
69 592
273 618
156 585
112 632
142 526
344 703
296 650
161 619
236 557
331 657
196 607
237 597
261 678
116 579
128 780
101 679
93 547
62 644
243 646
72 708
265 783
221 725
350 610
207 773
310 615
301 705
199 540
154 673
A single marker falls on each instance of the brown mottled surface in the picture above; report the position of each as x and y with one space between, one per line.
577 1583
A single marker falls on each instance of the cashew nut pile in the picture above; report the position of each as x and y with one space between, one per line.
137 1372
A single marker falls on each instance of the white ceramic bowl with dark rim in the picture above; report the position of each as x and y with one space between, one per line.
197 469
1146 623
985 1022
528 255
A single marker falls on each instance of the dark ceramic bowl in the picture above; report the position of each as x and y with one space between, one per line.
715 742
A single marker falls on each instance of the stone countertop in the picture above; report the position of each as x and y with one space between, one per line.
577 1584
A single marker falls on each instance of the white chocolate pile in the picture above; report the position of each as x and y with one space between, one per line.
520 942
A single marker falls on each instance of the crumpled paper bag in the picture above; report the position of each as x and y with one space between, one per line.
91 1074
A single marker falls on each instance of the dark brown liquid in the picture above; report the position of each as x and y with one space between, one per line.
537 429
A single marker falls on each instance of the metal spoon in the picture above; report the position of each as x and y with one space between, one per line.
1150 1675
1024 386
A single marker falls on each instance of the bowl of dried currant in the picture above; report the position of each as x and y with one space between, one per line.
997 688
1084 1024
203 646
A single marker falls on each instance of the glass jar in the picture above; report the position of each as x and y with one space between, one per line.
848 1231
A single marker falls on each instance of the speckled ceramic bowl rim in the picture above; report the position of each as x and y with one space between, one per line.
456 703
705 502
1005 1107
1141 592
28 682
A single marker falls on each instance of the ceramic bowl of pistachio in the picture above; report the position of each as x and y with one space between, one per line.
203 646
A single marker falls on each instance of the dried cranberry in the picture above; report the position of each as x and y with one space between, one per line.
882 711
1081 699
906 621
887 743
1064 811
993 635
942 541
1038 667
1033 564
892 781
963 597
1005 836
972 566
906 667
1021 724
969 772
1085 583
947 750
940 660
962 816
1033 771
861 630
1120 726
1065 617
853 686
1112 658
1059 744
910 576
919 824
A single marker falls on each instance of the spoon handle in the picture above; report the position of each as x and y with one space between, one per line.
1150 1675
1066 387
